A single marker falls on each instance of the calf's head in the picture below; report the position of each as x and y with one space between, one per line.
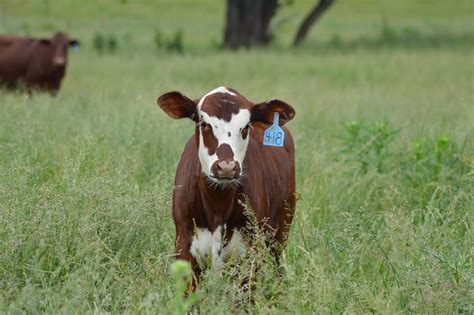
224 121
59 45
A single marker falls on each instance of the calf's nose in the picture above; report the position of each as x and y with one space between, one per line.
226 169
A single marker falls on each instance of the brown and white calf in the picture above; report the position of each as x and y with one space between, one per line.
224 164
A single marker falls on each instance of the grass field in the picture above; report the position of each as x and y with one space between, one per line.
384 131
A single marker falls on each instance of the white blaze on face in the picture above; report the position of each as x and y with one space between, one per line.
207 248
225 132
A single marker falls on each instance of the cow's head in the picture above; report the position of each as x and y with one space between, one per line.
59 45
223 125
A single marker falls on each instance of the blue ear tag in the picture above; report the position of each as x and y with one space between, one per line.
274 136
75 48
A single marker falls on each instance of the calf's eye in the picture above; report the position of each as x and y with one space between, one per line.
245 131
205 126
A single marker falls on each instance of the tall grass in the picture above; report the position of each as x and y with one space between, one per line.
384 142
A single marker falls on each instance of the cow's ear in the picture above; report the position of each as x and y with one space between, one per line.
264 112
74 43
44 41
177 105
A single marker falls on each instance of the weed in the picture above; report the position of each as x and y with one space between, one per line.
174 43
182 274
367 144
105 43
428 158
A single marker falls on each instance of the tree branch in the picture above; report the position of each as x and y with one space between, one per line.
312 17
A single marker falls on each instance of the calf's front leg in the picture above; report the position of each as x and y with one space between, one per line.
182 252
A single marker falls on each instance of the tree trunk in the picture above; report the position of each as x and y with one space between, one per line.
312 17
248 23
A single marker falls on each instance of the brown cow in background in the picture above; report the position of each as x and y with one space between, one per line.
37 64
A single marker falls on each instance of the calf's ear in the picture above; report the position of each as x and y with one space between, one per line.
264 112
177 105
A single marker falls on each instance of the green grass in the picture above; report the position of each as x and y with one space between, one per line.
385 156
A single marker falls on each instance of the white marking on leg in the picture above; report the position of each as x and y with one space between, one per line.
235 247
206 247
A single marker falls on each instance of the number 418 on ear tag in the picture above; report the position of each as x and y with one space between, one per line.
274 136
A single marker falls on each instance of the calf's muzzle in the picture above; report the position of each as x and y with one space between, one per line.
226 169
